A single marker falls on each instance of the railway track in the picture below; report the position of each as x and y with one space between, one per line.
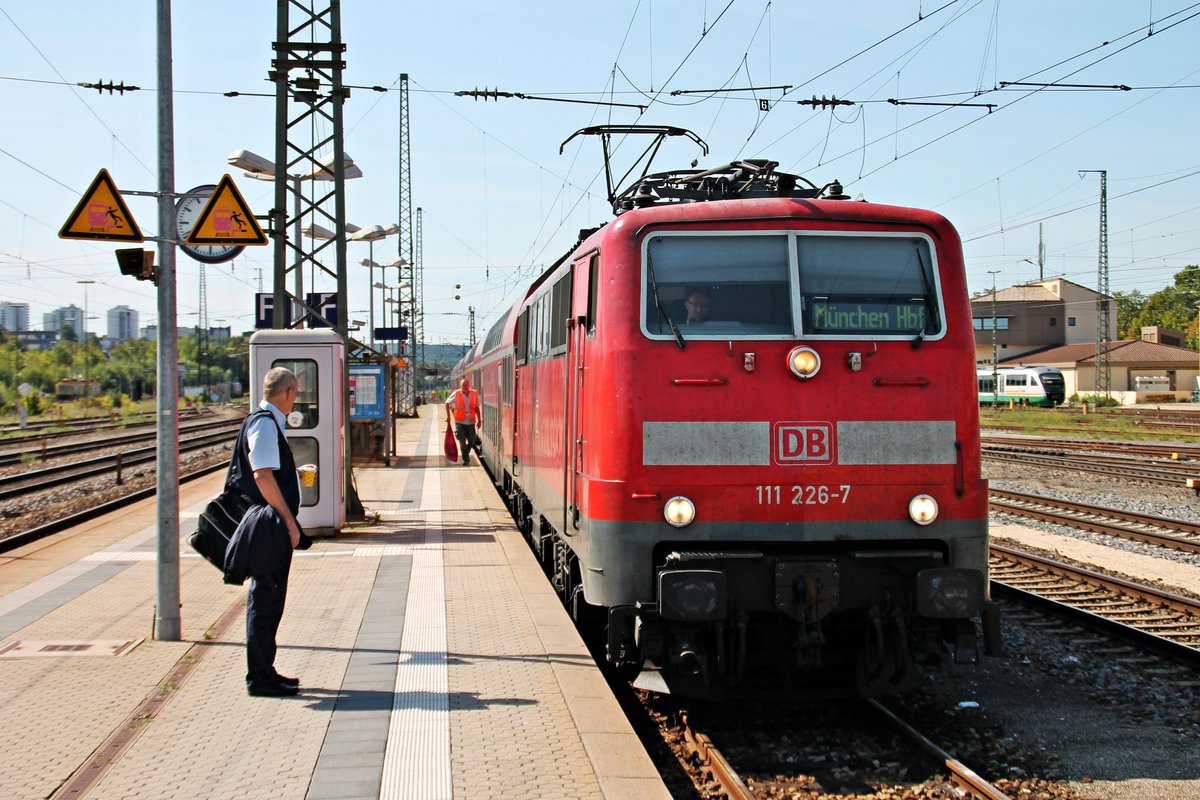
702 753
47 428
1174 533
1171 474
12 486
47 451
14 540
1166 452
1159 621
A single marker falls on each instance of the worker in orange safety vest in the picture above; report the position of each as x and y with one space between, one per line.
462 408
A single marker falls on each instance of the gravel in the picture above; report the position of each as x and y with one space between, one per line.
1119 723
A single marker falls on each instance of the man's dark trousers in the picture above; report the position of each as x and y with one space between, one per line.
467 441
264 610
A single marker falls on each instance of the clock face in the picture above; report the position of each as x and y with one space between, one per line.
186 211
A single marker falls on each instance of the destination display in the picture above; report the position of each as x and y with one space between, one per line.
866 317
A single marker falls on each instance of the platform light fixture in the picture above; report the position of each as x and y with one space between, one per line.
264 169
371 234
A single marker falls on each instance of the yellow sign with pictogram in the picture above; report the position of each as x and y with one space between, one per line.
102 214
226 219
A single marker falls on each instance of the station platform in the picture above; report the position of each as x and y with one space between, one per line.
435 661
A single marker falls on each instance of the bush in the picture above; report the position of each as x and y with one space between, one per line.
33 404
1096 399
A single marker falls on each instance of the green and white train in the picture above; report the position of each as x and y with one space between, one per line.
1031 386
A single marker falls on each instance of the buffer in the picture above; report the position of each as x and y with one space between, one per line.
102 214
226 219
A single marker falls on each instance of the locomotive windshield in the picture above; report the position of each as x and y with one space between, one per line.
783 285
867 284
725 286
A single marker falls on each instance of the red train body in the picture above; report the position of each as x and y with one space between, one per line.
715 502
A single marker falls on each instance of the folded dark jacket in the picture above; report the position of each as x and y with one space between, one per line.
260 546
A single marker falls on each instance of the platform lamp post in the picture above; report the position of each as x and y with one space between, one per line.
315 231
372 234
86 282
995 363
263 169
399 264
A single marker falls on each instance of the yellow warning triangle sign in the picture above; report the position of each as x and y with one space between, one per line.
226 219
102 214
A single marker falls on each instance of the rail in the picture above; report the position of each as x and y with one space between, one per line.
1151 618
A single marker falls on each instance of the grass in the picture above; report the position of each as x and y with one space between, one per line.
1073 424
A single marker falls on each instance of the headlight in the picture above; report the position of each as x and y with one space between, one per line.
804 362
679 511
922 509
692 595
949 593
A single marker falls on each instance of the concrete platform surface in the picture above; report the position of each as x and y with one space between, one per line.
435 661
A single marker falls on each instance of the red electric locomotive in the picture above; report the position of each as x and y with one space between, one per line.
739 426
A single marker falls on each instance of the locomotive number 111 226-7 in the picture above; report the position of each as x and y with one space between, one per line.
815 495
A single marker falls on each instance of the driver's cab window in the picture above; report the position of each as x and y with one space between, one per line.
717 286
306 391
867 286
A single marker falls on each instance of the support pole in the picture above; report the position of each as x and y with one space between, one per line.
166 618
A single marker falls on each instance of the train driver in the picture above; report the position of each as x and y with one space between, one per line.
462 407
696 305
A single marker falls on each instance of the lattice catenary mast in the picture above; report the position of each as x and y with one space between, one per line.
406 393
1103 318
309 96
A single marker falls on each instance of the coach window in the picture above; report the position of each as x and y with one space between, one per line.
538 328
868 286
744 280
593 294
523 336
543 325
535 330
560 308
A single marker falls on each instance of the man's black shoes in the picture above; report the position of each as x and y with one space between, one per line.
271 688
286 681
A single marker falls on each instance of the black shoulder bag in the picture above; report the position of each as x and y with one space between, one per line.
221 516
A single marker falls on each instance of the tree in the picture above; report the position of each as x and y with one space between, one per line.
134 364
1187 281
1167 308
1129 306
1171 307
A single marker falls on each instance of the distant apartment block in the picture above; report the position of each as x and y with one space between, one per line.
70 316
122 324
14 316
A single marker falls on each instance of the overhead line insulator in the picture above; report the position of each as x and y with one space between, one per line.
824 102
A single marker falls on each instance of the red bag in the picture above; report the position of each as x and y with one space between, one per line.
451 445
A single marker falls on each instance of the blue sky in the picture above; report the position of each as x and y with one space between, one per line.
499 201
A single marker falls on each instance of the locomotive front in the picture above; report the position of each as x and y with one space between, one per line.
780 461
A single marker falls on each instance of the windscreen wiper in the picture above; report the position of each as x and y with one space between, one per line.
658 303
930 299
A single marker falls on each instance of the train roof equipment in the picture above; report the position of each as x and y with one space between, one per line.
745 178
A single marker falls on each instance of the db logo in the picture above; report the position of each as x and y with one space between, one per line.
803 443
